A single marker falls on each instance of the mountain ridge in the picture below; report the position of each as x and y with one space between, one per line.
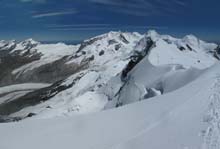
101 58
132 89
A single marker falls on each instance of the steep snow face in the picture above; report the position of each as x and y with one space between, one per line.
146 81
184 118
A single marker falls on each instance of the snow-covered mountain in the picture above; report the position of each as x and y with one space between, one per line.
145 88
98 73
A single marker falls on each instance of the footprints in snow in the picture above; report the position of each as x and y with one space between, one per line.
212 134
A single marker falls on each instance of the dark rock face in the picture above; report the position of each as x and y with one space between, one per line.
182 48
117 47
11 61
216 52
31 114
83 52
102 52
137 57
189 47
123 39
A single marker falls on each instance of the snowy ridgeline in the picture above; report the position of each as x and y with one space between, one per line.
157 92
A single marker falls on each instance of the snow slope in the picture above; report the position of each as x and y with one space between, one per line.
189 51
184 118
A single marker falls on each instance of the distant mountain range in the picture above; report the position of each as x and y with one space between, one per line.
151 87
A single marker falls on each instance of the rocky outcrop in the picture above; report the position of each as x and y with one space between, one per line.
138 55
123 39
216 52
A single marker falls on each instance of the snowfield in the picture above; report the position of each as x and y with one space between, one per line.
131 91
176 120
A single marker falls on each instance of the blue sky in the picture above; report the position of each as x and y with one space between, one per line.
48 20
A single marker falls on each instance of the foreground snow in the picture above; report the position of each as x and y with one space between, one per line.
184 118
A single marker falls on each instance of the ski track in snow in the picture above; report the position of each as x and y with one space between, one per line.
212 134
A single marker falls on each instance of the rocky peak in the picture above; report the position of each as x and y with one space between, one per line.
217 49
29 43
216 53
7 45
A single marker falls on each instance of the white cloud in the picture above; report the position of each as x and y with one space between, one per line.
51 14
141 7
76 25
89 27
35 1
